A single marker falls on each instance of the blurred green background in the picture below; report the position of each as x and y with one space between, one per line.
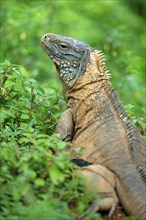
114 26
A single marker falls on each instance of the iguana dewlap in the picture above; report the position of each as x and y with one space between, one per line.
96 121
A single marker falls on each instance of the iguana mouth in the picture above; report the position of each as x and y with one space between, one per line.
67 71
53 58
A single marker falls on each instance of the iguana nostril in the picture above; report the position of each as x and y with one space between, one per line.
44 38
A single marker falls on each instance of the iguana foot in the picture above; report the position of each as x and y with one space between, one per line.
94 207
103 182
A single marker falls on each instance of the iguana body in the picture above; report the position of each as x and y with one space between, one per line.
96 121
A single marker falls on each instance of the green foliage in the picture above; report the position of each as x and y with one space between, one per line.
138 121
27 101
129 218
138 6
36 175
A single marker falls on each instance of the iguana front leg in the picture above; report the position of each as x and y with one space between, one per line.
65 126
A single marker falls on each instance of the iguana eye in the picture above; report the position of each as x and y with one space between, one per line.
63 46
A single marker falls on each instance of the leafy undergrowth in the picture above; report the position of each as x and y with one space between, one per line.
138 121
37 180
36 175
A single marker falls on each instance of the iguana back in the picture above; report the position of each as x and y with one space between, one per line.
96 121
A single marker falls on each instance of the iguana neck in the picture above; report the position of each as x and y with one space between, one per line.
91 81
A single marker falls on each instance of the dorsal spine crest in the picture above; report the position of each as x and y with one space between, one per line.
124 117
101 62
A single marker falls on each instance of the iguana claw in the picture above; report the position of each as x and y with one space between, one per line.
112 210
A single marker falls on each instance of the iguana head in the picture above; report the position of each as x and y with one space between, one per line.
69 56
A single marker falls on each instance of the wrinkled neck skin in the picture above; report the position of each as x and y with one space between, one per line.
88 83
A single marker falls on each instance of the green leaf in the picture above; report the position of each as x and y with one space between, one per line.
24 116
39 182
30 174
56 175
9 83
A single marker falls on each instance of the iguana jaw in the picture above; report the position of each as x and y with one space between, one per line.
69 56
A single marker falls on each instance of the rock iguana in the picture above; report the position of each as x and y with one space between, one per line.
115 153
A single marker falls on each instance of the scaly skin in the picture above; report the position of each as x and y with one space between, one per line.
96 121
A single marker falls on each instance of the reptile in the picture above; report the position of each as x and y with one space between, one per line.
95 121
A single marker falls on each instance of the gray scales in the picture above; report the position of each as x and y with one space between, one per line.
95 120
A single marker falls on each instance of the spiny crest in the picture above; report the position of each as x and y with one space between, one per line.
142 172
130 130
101 62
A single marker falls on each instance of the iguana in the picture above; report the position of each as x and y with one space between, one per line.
115 153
